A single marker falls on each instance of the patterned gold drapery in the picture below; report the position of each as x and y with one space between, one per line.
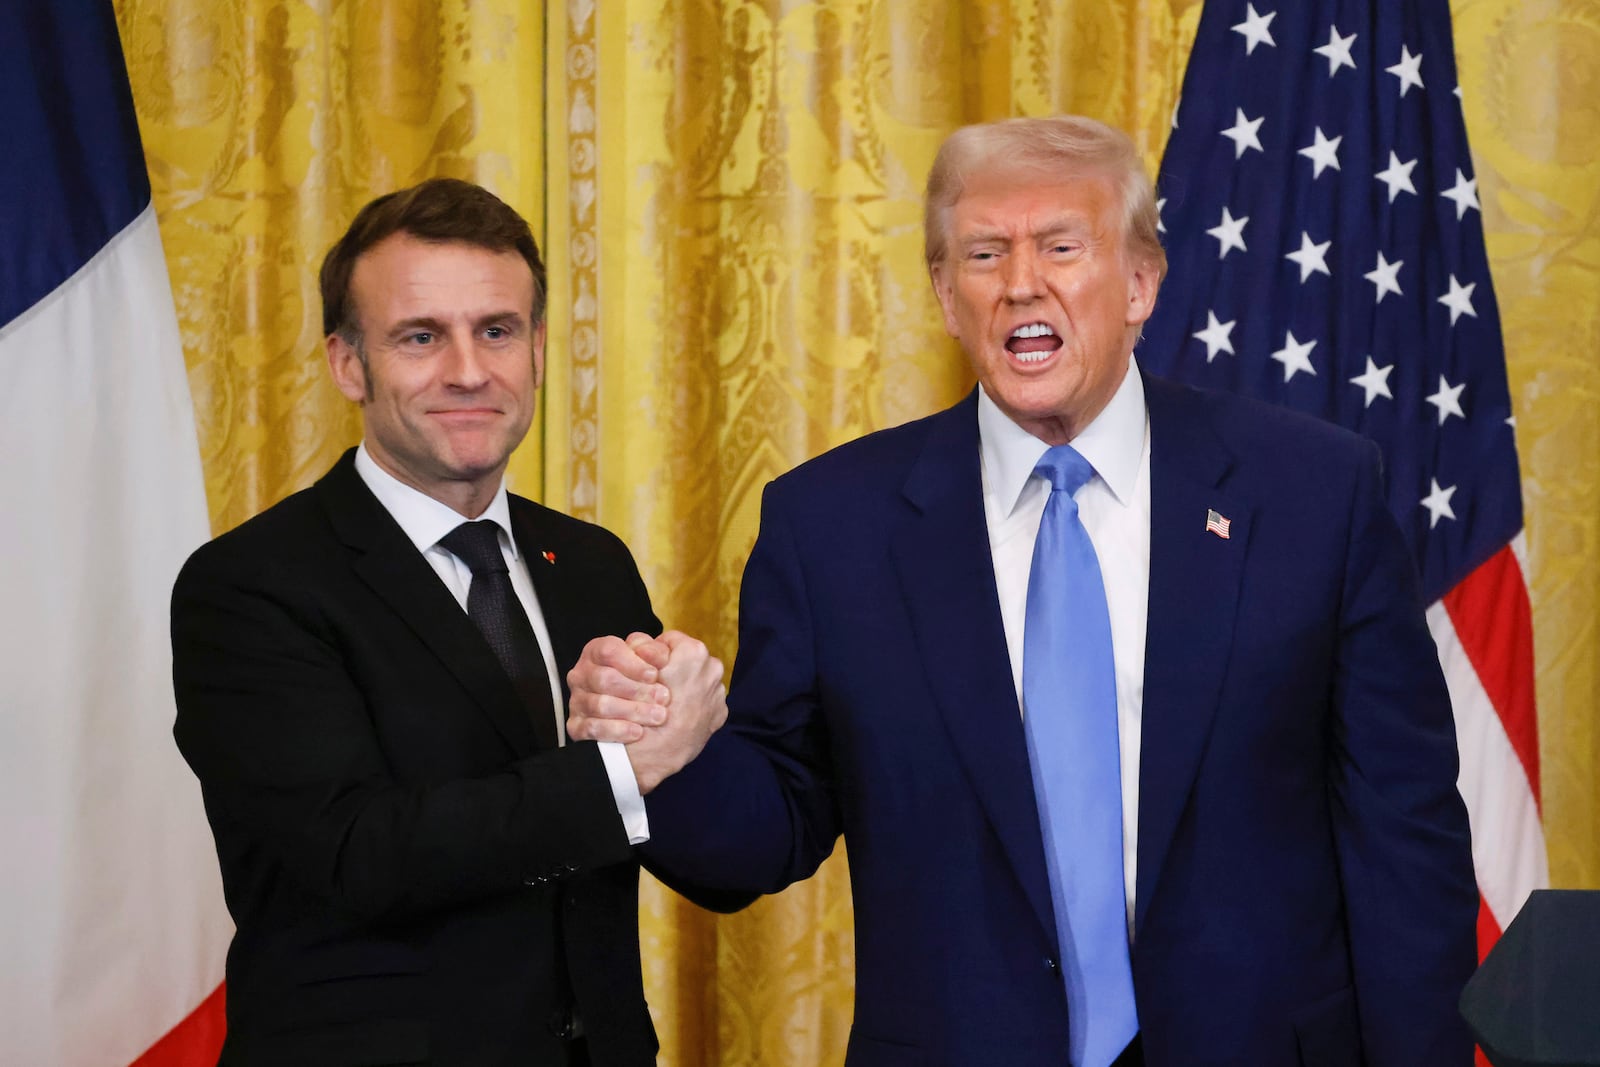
728 195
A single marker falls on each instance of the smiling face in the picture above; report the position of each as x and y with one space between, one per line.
451 363
1037 284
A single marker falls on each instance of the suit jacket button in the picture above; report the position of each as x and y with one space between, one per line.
1051 965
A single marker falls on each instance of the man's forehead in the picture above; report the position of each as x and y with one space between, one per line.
403 278
1032 207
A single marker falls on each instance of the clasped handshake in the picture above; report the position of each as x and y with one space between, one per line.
663 697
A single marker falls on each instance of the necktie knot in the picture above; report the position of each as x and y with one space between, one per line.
1064 468
477 544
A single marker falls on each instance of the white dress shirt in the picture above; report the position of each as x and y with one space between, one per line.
424 521
1114 507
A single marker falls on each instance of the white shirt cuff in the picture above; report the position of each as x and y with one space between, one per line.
625 788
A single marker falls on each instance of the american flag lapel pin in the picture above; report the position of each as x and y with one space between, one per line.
1216 524
550 557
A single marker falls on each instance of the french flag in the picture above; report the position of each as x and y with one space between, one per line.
114 929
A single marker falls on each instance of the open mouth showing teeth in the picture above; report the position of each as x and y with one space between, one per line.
1032 343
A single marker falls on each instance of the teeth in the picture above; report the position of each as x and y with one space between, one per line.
1033 329
1031 357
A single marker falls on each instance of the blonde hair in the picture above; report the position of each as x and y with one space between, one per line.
1058 146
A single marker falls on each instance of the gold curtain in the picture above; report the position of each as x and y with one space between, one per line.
728 196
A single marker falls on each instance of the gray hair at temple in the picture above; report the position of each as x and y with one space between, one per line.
1060 146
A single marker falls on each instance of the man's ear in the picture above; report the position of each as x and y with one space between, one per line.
349 373
1143 281
539 334
944 288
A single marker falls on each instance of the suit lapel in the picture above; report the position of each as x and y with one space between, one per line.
946 574
395 571
1194 595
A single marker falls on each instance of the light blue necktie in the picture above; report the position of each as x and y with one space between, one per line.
1069 702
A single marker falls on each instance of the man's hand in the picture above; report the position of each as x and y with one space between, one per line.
663 697
616 689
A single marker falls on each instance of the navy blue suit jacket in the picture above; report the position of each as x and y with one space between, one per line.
1304 893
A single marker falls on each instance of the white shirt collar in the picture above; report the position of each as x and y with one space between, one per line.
1113 444
423 518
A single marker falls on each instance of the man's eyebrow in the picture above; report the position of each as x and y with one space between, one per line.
1071 223
417 322
987 235
515 319
507 317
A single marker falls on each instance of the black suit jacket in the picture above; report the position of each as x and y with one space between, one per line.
410 882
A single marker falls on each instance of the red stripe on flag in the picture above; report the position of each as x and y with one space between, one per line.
1488 928
195 1042
1490 612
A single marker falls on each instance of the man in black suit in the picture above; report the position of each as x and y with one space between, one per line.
369 688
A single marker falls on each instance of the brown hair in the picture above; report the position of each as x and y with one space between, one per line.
1059 146
440 210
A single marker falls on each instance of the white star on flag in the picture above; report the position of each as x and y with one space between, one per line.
1230 231
1243 133
1397 176
1374 381
1464 193
1386 276
1161 206
1295 356
1408 70
1312 258
1438 502
1448 400
1337 50
1322 152
1254 29
1459 300
1216 336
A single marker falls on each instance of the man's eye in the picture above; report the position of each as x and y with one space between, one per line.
421 337
496 333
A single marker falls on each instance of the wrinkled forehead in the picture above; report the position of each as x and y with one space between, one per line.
1032 201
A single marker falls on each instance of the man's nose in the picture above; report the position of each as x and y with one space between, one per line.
1022 276
465 365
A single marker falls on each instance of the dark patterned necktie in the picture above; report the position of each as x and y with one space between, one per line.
493 606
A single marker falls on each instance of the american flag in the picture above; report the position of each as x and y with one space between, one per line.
1326 252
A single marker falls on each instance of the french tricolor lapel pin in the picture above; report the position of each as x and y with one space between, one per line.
1216 524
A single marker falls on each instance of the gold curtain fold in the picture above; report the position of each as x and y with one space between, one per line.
728 196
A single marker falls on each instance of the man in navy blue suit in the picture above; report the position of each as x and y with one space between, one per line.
1294 861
